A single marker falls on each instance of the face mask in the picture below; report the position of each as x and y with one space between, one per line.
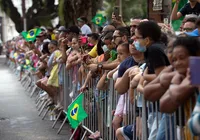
105 48
139 47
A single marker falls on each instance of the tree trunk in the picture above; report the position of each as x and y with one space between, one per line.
72 9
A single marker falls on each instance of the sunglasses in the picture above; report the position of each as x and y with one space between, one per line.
114 37
188 29
133 26
130 41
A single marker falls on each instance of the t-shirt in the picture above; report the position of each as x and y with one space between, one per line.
113 55
85 30
186 10
93 53
126 64
155 57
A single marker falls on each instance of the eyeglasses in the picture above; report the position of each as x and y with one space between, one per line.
114 37
130 41
188 29
133 26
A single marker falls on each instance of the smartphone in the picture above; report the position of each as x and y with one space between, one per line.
116 11
166 22
194 70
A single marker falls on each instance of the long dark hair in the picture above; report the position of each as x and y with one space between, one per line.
99 47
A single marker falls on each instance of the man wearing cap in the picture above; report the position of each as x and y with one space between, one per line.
85 29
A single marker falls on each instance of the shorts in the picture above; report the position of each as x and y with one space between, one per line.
127 132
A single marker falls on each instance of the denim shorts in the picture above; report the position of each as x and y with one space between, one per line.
127 132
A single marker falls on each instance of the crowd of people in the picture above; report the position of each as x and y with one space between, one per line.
146 57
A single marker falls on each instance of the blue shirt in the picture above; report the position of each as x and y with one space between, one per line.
126 64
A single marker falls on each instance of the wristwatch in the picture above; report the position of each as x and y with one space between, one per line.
99 66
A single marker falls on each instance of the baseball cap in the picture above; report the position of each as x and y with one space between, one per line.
82 19
62 29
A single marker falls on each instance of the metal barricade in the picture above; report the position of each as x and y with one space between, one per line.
99 106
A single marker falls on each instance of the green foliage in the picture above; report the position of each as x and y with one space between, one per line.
130 9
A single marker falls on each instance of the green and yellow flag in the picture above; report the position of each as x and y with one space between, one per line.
99 19
76 112
31 34
177 23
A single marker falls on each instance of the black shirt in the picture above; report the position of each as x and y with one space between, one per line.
155 57
186 10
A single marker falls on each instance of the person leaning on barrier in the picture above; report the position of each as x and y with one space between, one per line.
156 60
119 36
128 69
180 91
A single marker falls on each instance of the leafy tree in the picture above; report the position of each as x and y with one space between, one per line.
130 8
70 10
40 13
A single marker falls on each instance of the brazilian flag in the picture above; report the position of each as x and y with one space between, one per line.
177 23
99 19
75 112
31 34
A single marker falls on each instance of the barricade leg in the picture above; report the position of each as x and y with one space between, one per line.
38 102
73 134
84 135
33 91
57 118
43 107
59 130
47 110
41 104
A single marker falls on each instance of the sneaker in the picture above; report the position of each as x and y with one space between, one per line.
54 117
51 117
43 94
71 95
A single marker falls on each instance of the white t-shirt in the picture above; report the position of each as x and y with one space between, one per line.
85 29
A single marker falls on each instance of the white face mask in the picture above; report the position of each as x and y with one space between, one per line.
105 48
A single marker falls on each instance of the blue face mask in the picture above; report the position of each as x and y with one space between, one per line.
139 47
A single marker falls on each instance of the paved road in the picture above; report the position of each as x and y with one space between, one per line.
18 115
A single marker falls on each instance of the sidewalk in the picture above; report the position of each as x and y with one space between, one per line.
19 118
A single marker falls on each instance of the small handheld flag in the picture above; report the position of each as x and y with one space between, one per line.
99 19
76 112
31 34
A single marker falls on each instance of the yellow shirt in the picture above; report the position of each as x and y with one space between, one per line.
53 37
93 52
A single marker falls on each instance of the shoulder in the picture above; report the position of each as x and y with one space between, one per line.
128 62
158 47
187 5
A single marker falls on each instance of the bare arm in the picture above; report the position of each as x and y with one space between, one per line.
178 92
110 66
151 92
175 14
148 77
103 83
122 83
